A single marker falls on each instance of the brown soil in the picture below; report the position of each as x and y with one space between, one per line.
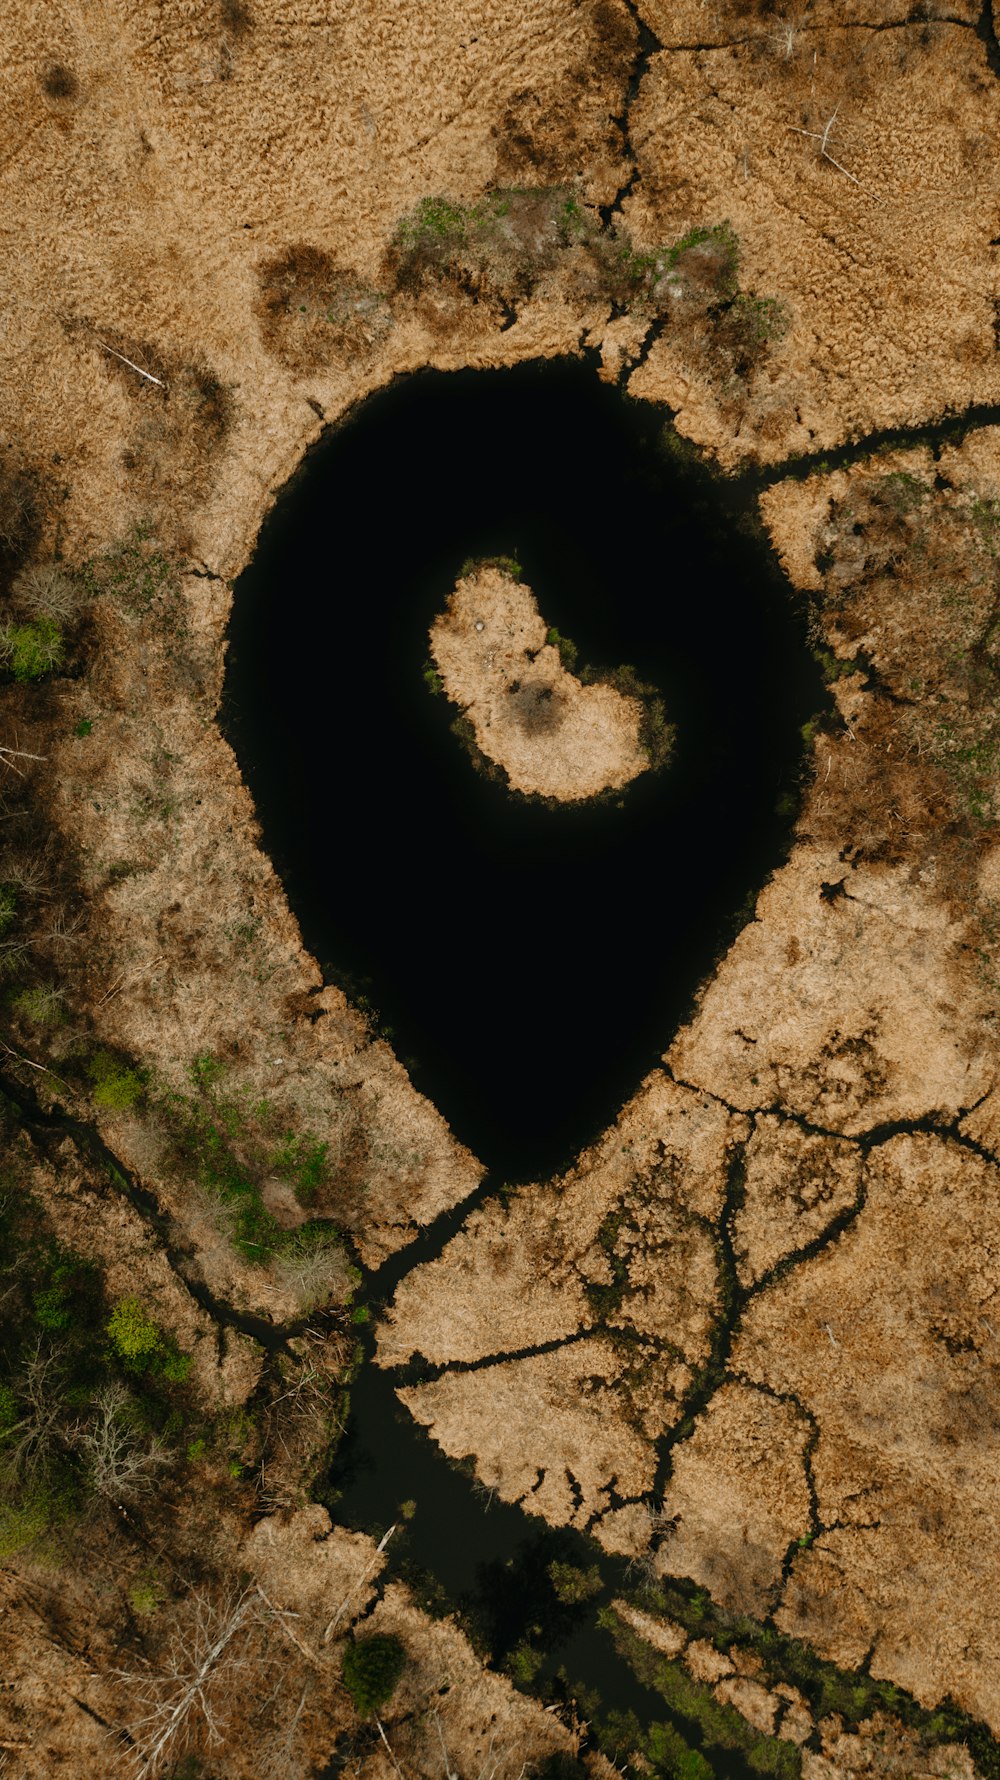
551 736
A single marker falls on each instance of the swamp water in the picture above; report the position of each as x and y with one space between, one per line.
531 962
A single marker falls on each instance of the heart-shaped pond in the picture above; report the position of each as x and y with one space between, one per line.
532 962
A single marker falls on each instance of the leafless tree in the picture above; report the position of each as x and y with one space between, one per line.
494 1762
122 1465
29 1444
215 1646
277 1757
14 949
64 929
784 37
31 871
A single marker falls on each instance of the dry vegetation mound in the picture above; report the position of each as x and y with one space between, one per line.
551 735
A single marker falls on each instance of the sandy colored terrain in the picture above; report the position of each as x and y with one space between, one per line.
551 736
887 269
828 1430
902 1380
768 1293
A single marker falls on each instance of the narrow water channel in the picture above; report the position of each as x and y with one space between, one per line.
532 963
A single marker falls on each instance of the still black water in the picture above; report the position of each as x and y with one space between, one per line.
532 963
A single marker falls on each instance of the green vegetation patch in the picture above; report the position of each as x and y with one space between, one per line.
505 565
88 1390
231 1145
135 573
32 650
43 1005
372 1669
850 1695
568 651
503 246
712 1724
116 1085
141 1346
572 1584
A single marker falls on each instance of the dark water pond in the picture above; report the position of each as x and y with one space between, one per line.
532 963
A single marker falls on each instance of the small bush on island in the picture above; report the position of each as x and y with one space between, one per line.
574 1585
372 1668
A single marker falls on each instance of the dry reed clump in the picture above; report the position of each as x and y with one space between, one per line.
313 312
180 413
59 82
20 512
236 16
910 591
548 133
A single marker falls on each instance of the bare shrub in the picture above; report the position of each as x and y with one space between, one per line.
313 1269
19 513
59 82
236 17
29 1444
46 591
29 872
539 709
122 1465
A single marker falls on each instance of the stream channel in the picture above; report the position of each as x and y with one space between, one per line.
531 963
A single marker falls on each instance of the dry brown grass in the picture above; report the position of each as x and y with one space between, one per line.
312 311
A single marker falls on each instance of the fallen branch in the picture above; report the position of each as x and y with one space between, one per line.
132 365
388 1745
366 1572
9 757
823 138
282 1614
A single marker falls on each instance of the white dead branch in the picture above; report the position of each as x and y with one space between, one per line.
132 365
366 1572
10 757
195 1679
823 138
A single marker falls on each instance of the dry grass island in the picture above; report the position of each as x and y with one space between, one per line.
749 1342
523 708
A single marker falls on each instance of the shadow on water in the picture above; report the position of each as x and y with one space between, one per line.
532 963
